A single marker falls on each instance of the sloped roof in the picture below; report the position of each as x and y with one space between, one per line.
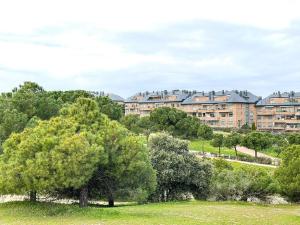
234 96
146 96
291 95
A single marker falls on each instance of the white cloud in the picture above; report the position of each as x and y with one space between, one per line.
25 16
67 40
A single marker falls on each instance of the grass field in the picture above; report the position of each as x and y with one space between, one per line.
199 145
180 213
238 165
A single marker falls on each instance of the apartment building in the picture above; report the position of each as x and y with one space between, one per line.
225 109
143 103
279 112
222 109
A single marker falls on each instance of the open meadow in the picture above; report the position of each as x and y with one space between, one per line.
191 212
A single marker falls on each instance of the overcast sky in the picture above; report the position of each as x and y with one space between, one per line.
128 46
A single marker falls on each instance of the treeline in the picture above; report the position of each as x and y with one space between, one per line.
180 124
72 144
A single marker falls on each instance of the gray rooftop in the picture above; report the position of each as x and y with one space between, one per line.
290 95
113 97
145 97
234 96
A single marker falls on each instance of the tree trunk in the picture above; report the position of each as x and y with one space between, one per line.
219 151
83 199
32 196
111 201
255 154
236 153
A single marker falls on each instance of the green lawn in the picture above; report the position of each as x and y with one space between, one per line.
181 213
198 145
271 152
238 165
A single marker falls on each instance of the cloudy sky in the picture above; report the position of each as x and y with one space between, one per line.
127 46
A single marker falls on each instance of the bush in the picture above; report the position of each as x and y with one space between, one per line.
242 183
288 173
179 173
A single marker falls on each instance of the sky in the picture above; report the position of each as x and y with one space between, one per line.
128 46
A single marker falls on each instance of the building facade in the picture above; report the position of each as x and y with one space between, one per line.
222 109
143 103
279 112
225 109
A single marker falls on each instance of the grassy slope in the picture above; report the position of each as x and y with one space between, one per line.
197 146
237 165
165 213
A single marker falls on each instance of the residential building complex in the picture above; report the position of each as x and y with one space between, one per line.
225 109
143 103
279 112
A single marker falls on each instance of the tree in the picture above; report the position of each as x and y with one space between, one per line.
288 172
294 139
205 132
178 172
280 143
11 121
187 127
174 121
126 171
218 141
112 109
258 141
18 107
232 141
242 183
132 123
52 155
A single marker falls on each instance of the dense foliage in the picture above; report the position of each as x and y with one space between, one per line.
232 141
258 141
241 183
288 173
78 148
171 120
179 173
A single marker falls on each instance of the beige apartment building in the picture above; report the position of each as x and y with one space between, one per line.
222 109
143 103
225 109
279 112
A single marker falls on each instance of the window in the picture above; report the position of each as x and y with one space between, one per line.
230 114
223 114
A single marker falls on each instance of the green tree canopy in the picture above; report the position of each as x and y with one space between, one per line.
288 172
112 109
233 140
126 172
218 141
258 141
171 120
52 155
205 132
178 172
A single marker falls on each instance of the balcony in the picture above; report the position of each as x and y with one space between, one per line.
285 113
265 113
210 118
293 129
278 128
293 121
